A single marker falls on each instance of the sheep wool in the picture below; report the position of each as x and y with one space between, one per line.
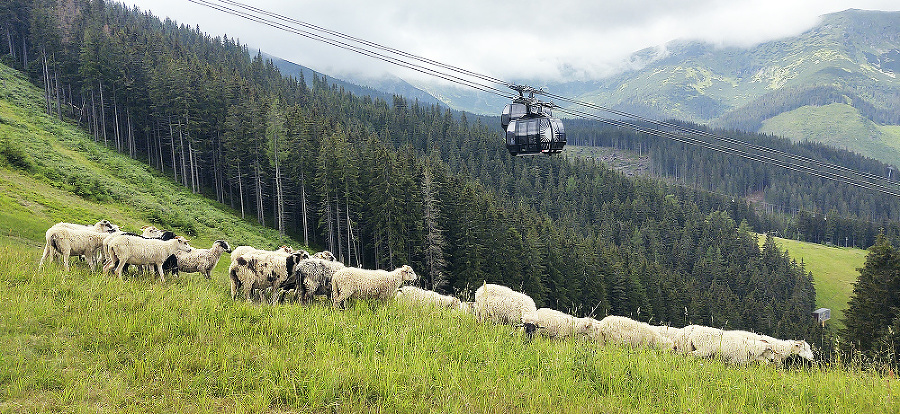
421 296
313 277
555 324
67 239
261 270
136 250
501 304
736 347
352 282
202 260
626 331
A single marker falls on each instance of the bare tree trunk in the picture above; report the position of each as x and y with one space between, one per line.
46 76
260 213
337 219
303 208
194 186
103 115
12 48
132 151
241 191
116 115
94 123
329 223
184 177
158 145
58 93
279 195
172 147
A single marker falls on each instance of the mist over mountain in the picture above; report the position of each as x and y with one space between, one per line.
835 84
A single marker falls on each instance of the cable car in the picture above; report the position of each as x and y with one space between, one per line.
530 126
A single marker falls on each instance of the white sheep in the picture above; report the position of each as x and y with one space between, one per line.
667 331
501 304
626 331
201 260
421 296
731 346
261 270
783 348
555 324
325 255
67 239
136 250
352 282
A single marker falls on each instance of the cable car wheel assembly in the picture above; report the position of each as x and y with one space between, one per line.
530 126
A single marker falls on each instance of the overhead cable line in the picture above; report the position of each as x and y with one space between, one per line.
458 76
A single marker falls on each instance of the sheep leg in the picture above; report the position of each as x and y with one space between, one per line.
120 268
47 253
159 270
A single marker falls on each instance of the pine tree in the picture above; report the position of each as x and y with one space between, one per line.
873 307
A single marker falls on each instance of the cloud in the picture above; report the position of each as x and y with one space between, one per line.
515 40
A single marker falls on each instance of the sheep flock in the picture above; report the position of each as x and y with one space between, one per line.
286 272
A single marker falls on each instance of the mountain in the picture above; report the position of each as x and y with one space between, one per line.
384 88
836 84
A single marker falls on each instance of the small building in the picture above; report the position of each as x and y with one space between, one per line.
822 315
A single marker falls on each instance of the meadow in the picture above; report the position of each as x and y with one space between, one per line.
92 343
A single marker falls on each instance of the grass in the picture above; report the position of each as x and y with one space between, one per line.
84 342
834 271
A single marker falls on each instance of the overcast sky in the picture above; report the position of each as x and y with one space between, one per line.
510 39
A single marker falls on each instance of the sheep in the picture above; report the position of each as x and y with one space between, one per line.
201 260
555 324
67 239
783 348
261 270
427 297
352 282
731 346
312 277
501 304
667 331
621 330
137 250
148 232
325 255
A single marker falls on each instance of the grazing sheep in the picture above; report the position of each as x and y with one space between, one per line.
427 297
312 277
136 250
67 239
783 348
735 347
667 331
201 260
352 282
555 324
501 304
261 270
149 232
325 255
621 330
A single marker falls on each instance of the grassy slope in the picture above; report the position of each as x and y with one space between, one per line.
83 342
840 126
834 271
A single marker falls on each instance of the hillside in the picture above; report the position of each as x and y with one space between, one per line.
83 342
59 174
834 271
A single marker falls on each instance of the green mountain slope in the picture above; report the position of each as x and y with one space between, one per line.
81 342
52 171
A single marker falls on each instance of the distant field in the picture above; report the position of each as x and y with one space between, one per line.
833 269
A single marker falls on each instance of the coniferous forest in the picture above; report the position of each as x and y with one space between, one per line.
388 183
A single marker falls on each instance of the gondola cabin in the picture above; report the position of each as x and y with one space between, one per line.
531 129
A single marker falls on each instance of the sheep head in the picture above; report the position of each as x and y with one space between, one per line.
325 255
182 244
224 245
802 349
407 273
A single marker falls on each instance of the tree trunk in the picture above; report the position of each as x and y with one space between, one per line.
337 225
303 208
46 76
12 48
94 123
260 213
103 115
116 115
194 186
172 146
279 195
241 190
184 177
58 92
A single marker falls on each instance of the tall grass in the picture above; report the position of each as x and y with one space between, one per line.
84 342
